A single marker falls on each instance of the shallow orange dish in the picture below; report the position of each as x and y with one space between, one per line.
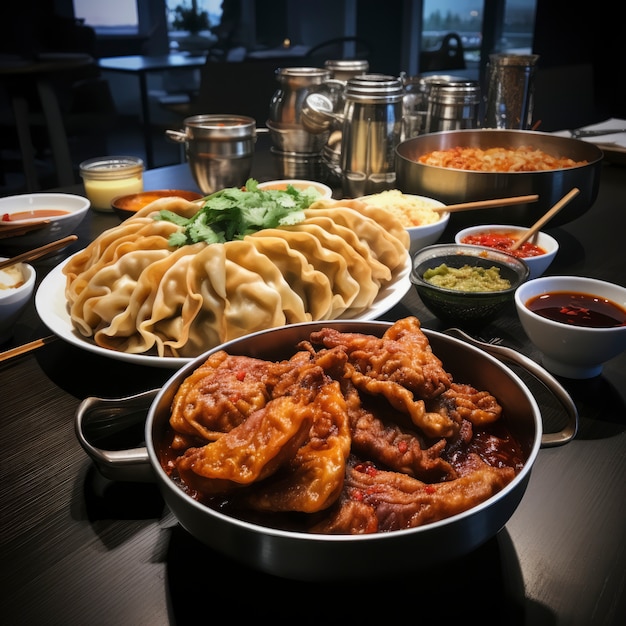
125 206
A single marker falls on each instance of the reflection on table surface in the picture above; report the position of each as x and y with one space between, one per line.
77 548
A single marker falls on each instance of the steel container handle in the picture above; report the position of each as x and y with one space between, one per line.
97 418
508 354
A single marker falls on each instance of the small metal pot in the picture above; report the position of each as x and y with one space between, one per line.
219 149
304 556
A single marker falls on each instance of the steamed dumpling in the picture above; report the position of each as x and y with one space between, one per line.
131 291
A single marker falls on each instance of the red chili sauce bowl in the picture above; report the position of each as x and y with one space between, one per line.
537 253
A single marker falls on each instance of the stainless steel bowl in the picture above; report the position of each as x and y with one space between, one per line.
451 185
304 556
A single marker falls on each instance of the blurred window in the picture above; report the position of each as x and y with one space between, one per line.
465 17
110 17
213 8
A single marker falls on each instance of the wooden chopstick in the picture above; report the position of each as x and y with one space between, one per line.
27 347
16 229
546 217
36 253
485 204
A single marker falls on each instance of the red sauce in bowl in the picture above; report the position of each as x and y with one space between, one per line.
504 241
578 309
34 214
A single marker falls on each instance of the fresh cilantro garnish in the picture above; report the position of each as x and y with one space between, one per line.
233 213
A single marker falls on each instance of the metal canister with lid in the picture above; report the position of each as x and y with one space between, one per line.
371 131
415 101
293 142
453 106
345 69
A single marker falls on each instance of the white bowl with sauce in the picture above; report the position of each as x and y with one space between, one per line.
537 262
17 283
64 212
573 343
324 190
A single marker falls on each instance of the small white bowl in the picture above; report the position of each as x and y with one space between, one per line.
60 225
536 264
568 350
402 204
324 190
13 300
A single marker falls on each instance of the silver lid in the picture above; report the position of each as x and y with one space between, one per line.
456 92
375 87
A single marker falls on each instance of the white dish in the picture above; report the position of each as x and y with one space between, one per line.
51 305
60 225
536 264
421 236
324 190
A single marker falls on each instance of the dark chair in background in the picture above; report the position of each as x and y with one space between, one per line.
241 87
564 97
338 48
449 56
55 107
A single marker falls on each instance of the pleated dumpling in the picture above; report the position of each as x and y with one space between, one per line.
159 310
334 265
380 230
310 283
379 272
354 265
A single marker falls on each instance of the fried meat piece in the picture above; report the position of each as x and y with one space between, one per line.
463 401
219 395
260 445
403 355
224 391
347 517
378 434
400 501
313 479
400 366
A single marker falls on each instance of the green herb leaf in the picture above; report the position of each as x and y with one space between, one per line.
233 213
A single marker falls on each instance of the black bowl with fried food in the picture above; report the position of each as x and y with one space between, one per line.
467 305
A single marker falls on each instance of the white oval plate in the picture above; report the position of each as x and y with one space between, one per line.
51 305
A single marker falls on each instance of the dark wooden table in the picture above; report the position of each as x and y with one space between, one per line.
78 549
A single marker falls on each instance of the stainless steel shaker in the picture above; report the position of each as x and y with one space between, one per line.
329 98
372 124
296 150
345 69
453 106
415 102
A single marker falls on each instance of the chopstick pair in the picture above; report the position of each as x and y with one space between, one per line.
485 204
27 347
545 218
37 253
15 229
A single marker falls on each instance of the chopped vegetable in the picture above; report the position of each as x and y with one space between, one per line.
233 213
